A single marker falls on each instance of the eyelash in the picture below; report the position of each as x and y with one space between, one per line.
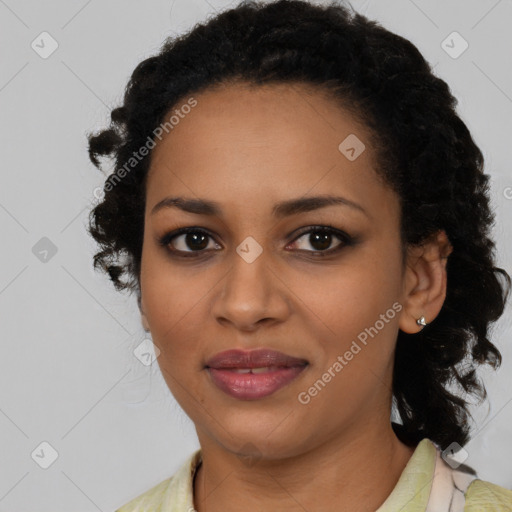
346 240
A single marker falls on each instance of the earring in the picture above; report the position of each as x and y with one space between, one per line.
421 321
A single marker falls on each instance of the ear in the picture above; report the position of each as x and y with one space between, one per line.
144 319
425 281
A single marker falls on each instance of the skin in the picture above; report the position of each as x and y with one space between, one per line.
247 149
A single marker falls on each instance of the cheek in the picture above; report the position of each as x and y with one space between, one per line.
353 295
175 319
166 293
173 308
356 310
359 315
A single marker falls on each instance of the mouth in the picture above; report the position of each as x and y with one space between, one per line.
255 374
263 369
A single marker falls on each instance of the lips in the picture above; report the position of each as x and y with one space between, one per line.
260 358
255 374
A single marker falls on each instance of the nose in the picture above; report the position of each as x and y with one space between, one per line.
251 295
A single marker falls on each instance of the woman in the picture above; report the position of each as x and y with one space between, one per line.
304 219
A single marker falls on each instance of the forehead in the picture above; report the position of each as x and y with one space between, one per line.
255 141
241 115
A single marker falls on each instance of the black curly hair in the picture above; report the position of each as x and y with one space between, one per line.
425 153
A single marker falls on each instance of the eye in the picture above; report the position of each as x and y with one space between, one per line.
195 239
321 239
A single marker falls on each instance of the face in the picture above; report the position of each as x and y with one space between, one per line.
319 282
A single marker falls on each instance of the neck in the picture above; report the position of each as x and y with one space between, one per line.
354 473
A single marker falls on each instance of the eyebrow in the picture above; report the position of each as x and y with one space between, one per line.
280 210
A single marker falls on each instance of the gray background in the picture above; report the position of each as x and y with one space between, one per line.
68 375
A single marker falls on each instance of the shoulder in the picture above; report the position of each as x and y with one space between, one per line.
486 496
150 500
174 493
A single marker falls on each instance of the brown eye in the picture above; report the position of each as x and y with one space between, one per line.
194 241
320 239
188 240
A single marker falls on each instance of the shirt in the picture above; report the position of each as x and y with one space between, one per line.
411 493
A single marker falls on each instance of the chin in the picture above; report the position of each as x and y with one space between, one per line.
256 441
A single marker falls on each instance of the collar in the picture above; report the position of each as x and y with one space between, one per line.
415 483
